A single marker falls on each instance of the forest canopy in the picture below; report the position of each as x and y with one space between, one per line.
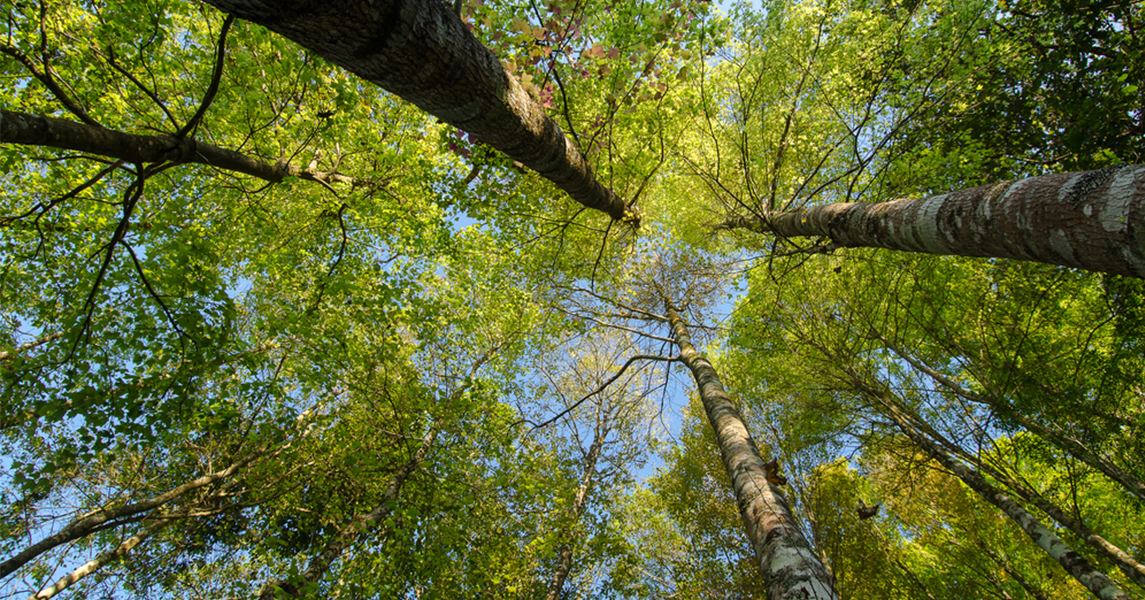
572 299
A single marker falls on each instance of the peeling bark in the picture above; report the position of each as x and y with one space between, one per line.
422 52
1092 220
38 130
786 560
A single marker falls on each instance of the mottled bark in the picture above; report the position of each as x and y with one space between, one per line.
1073 563
151 525
38 130
1091 220
789 566
422 52
1132 568
297 587
564 554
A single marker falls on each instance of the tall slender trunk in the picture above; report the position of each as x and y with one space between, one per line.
789 566
1091 220
38 130
107 516
100 561
914 579
1074 564
1132 568
1004 564
564 559
422 52
297 587
1051 434
151 525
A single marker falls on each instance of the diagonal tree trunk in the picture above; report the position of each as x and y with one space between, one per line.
38 130
111 516
151 525
1074 564
1091 220
1051 434
422 52
789 566
100 561
564 559
297 587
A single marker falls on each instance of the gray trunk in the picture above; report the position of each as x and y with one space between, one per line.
422 52
1092 220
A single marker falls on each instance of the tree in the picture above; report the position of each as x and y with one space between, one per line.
1094 219
422 52
244 292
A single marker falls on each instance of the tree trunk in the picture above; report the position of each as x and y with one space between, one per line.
564 558
106 517
38 130
100 561
789 566
318 566
422 52
151 525
1091 220
1051 434
1074 564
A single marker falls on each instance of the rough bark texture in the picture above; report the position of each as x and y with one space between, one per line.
1091 220
38 130
422 52
1074 564
789 566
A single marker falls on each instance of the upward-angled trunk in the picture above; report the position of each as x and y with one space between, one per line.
1092 220
1050 433
565 553
1073 563
789 566
422 52
110 515
297 587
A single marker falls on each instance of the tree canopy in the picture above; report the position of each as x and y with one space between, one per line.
572 299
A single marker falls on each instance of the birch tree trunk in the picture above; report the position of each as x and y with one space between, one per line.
1051 434
100 561
789 566
1074 564
1091 220
106 516
422 52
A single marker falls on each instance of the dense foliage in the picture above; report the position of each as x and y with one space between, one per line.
408 367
